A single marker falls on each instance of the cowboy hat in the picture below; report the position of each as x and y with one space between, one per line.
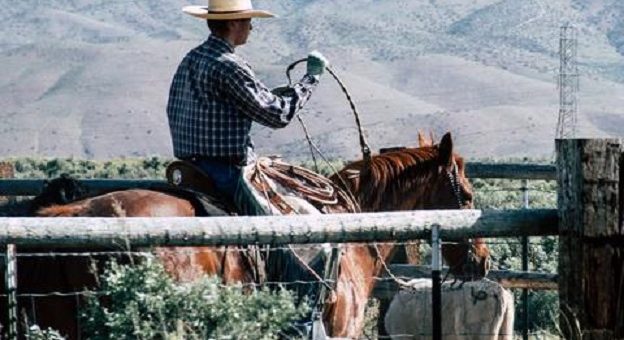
226 10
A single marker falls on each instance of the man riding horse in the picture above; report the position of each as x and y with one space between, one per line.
215 97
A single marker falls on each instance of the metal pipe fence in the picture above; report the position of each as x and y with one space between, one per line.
514 224
278 231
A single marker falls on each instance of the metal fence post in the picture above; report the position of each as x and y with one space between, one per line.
436 298
525 265
11 286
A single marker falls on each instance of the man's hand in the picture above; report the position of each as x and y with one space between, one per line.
316 64
282 91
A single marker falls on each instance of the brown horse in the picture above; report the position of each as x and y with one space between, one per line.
67 274
429 177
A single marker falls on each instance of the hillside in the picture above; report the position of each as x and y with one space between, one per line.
90 78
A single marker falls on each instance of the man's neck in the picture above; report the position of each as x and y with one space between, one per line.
228 39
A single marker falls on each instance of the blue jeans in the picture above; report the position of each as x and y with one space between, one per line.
229 181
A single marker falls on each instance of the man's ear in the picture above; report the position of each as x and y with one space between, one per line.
232 25
445 150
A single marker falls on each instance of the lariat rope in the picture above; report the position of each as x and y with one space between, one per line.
365 148
314 147
316 188
366 151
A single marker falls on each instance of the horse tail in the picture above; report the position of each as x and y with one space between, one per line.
70 210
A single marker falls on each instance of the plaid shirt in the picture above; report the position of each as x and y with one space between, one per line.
215 97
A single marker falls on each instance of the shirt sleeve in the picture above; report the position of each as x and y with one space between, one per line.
258 102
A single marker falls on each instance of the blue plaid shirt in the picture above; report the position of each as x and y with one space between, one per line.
215 97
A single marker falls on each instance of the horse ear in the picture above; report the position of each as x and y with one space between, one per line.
445 150
422 142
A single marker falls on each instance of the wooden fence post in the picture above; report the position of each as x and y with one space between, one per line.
591 247
7 171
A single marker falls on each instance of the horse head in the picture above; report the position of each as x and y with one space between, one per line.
431 176
62 190
428 177
449 188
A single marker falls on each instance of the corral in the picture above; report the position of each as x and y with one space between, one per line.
588 223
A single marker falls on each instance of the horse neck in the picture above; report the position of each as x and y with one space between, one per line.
359 268
393 184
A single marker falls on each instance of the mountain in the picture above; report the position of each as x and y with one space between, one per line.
90 78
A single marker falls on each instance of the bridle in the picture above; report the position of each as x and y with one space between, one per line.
453 177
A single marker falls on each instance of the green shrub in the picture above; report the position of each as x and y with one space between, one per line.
36 333
146 168
143 302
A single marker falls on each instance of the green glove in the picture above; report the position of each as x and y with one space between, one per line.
316 64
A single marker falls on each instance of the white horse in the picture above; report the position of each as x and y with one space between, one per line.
477 310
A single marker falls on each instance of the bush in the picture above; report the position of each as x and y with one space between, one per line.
143 302
36 333
147 168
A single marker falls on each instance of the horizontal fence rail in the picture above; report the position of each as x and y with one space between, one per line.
275 230
511 171
385 289
31 187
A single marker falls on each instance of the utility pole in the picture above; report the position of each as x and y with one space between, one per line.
568 83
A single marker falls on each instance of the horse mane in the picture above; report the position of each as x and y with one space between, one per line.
382 183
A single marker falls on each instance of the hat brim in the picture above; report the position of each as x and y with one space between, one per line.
203 13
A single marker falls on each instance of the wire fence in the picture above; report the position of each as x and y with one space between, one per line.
30 300
369 332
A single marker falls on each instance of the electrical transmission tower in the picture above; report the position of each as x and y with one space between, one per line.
568 83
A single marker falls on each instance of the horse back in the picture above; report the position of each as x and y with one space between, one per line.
161 202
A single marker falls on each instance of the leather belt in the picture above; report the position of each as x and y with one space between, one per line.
233 160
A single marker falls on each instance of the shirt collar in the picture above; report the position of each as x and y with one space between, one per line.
219 44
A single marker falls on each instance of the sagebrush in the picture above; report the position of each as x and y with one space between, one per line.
142 302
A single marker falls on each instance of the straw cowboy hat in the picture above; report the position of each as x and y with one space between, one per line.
226 10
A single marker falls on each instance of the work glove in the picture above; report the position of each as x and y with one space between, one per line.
316 64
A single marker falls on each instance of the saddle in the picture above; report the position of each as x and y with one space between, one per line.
279 187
